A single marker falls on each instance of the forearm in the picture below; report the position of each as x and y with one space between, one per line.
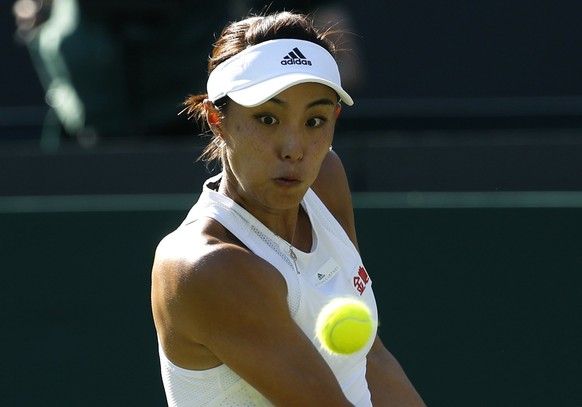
387 381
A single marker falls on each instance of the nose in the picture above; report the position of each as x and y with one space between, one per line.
291 146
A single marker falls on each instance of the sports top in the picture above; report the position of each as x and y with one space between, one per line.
333 268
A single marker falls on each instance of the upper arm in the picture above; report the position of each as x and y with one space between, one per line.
333 189
235 305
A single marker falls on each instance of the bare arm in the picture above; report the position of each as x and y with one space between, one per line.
234 304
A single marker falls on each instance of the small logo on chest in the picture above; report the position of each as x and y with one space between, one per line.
325 273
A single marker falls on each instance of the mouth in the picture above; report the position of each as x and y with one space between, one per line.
287 181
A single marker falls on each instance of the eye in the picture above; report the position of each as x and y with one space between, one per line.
315 122
268 120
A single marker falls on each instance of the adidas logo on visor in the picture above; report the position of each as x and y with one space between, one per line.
295 57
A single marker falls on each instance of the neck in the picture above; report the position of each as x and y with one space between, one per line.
283 222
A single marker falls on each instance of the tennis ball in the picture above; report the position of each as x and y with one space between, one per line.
344 326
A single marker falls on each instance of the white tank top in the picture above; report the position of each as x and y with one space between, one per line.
332 269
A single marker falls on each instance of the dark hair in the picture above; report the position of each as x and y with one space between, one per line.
238 36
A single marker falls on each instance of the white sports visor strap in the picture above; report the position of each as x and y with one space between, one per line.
262 71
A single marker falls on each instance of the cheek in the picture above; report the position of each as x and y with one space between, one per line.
323 141
241 137
245 148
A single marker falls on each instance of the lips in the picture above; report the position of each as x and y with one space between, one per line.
287 181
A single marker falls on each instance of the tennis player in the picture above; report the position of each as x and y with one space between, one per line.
237 288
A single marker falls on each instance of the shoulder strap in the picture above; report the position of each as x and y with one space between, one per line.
319 213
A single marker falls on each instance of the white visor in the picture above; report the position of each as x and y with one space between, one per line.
262 71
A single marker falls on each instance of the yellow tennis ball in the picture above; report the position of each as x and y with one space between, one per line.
344 326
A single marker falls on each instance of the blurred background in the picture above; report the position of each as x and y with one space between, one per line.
464 153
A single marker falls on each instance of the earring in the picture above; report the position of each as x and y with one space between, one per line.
330 148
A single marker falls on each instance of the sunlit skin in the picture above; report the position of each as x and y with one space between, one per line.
274 152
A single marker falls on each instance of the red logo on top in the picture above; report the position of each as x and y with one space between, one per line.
361 280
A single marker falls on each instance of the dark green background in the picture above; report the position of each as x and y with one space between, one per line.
481 306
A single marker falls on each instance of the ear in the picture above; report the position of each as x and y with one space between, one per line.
213 118
212 115
338 110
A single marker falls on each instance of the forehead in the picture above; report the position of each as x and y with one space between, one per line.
306 94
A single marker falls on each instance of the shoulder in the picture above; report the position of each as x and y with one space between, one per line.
203 249
332 187
203 267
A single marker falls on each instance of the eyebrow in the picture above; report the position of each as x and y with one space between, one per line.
318 102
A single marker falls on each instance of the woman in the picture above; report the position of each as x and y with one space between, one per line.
238 286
